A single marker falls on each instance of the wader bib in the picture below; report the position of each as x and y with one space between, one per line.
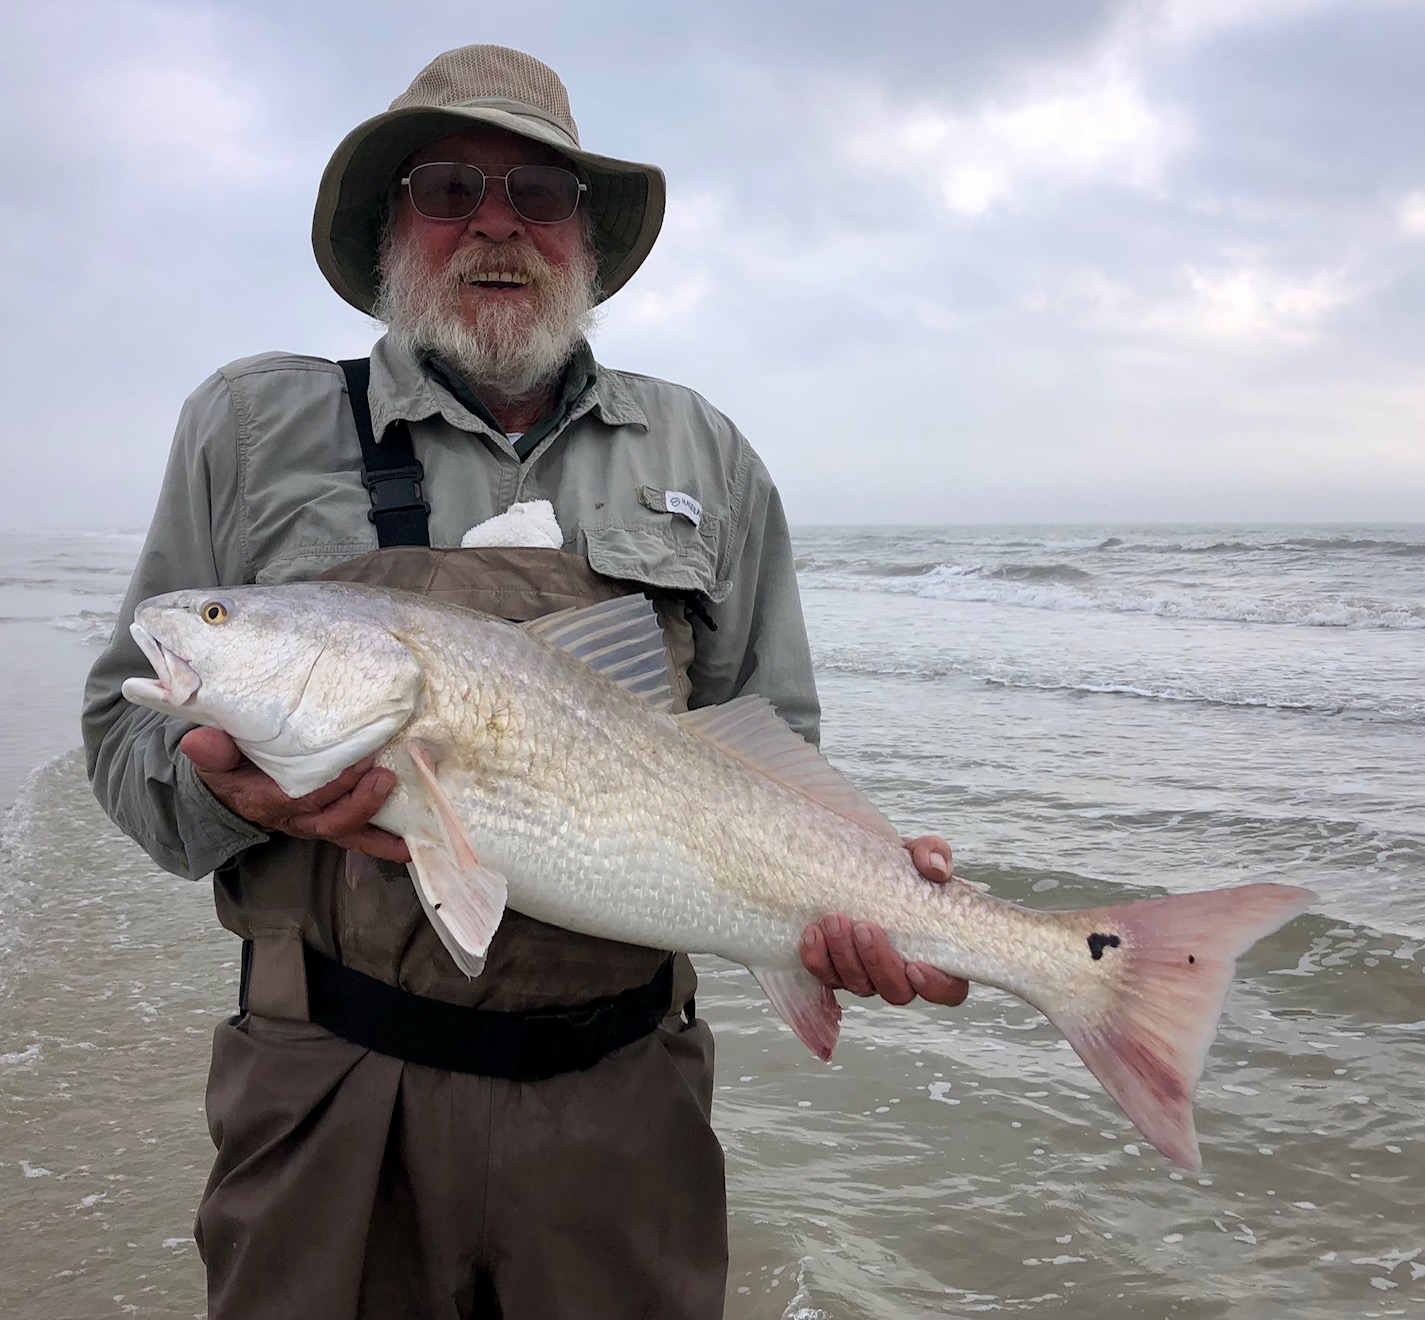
563 1169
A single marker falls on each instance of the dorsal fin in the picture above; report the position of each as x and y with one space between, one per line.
619 639
750 729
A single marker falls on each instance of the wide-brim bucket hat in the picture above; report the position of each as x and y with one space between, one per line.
456 91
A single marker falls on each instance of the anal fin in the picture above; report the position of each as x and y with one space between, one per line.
807 1006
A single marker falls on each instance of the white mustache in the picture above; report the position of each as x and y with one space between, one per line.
514 351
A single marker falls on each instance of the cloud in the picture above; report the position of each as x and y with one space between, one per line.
178 124
1095 127
951 261
146 88
659 306
1241 302
677 278
1410 213
1250 304
1187 22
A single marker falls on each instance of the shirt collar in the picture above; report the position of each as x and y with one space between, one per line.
404 388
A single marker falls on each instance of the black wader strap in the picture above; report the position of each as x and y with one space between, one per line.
521 1046
389 471
245 976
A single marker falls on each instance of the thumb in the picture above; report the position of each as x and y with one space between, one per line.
211 750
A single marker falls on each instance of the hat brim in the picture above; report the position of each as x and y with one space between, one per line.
625 198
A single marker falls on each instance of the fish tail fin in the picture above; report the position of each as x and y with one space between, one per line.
1145 1029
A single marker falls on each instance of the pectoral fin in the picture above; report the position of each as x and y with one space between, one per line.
807 1006
463 899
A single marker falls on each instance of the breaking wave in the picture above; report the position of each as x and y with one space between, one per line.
91 625
1392 709
1063 587
1300 545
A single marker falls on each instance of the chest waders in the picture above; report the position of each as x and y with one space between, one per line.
551 1088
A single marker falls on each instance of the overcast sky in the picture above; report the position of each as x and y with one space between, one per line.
941 260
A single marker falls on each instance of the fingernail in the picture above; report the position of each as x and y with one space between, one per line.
940 864
916 977
809 938
835 926
362 766
865 937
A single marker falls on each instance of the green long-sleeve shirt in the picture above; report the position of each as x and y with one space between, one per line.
263 485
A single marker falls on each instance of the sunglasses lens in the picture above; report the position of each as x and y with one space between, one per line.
446 191
543 193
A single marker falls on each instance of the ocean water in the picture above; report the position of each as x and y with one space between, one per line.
1087 714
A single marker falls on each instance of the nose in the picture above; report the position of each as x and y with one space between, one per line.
495 220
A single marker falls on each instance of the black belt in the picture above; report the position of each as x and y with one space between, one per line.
521 1046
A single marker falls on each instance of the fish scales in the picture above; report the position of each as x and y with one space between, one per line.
649 813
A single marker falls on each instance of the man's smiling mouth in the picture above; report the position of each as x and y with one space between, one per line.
504 279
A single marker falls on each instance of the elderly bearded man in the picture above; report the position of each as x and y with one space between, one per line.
394 1139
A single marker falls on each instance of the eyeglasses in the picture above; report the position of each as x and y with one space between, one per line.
452 190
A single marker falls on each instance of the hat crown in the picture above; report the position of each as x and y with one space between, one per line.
491 73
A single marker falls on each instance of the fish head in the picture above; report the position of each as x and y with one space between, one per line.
303 688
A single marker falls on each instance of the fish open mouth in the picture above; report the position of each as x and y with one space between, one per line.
175 680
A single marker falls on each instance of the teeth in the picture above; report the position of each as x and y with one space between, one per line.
498 277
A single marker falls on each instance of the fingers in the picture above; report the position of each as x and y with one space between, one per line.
337 812
343 806
343 784
931 855
374 842
816 957
934 985
845 960
882 964
210 750
860 958
818 940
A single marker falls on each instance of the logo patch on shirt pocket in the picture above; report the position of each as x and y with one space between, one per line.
671 501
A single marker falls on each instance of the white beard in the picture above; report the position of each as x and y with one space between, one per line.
507 351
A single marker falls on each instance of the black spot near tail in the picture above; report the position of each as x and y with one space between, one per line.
1098 943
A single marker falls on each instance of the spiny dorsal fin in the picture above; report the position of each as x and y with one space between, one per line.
751 730
619 639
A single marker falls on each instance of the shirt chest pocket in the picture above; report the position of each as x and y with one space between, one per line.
657 547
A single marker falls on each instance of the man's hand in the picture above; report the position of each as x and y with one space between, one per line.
860 958
339 812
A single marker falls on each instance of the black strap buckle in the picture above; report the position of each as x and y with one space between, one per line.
576 1037
395 490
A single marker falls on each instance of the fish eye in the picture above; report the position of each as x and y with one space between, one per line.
214 611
